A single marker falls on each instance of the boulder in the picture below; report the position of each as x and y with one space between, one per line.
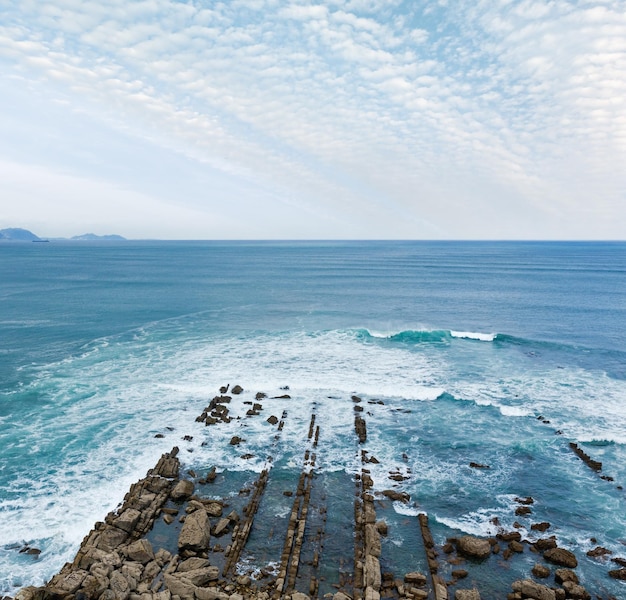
140 551
575 591
534 590
195 534
68 584
200 577
473 547
272 420
179 586
472 594
182 490
415 578
221 527
210 593
237 389
563 575
515 546
127 520
119 586
618 574
545 544
541 571
111 538
192 564
562 557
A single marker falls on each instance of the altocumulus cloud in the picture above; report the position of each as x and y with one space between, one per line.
355 118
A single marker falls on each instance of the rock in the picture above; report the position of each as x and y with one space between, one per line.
460 574
213 509
191 564
620 561
540 526
396 496
467 595
545 544
127 520
195 534
179 586
415 578
534 590
235 440
575 591
182 490
563 575
200 577
541 571
119 586
562 557
516 546
68 584
473 547
372 572
237 389
598 552
221 527
140 551
523 510
382 528
512 536
341 596
527 500
272 420
299 596
618 574
476 465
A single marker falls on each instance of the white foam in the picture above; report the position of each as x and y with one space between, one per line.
471 335
405 509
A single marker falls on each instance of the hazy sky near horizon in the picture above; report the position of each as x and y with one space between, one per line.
462 119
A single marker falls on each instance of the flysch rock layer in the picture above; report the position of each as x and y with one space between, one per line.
116 561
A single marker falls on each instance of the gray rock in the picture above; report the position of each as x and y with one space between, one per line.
127 520
119 586
472 594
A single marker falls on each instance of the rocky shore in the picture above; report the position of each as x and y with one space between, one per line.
169 540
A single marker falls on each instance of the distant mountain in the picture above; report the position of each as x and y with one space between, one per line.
90 237
15 234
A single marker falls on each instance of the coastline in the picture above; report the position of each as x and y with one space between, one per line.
183 535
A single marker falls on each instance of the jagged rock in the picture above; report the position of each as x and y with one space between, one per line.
162 557
111 538
200 577
68 584
192 564
473 547
235 440
618 574
382 528
141 551
28 593
415 578
541 571
119 586
221 527
213 509
472 594
195 534
237 389
534 590
563 575
575 591
127 520
151 570
562 557
179 586
527 500
182 490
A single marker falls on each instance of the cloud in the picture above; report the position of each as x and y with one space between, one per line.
359 111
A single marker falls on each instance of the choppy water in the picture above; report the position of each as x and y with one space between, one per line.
104 345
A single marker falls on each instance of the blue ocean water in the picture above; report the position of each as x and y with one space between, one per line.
104 345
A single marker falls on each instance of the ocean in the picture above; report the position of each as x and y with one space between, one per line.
496 353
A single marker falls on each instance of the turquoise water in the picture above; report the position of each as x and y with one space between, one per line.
465 344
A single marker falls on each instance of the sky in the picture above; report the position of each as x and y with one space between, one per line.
343 119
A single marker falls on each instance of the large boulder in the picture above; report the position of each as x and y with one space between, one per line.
472 594
473 547
561 557
618 574
575 591
183 489
534 590
196 532
140 551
